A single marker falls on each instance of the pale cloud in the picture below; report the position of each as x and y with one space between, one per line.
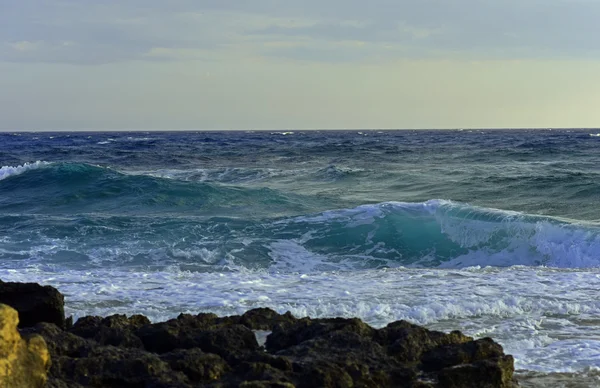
218 64
25 45
111 31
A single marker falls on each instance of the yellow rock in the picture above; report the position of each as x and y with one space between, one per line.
23 363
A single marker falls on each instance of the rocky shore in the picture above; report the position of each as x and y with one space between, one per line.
205 350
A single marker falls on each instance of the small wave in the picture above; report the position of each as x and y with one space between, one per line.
595 134
8 171
335 173
229 175
107 141
131 138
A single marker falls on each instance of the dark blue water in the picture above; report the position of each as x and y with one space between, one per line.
427 196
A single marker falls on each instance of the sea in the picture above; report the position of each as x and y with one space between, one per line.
492 232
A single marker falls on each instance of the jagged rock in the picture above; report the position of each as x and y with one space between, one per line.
265 319
208 350
255 319
491 373
407 342
462 353
116 330
35 303
197 365
184 333
347 352
23 363
60 343
339 353
230 342
108 366
278 362
290 334
86 327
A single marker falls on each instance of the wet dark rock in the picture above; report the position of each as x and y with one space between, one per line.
34 303
407 342
183 333
265 384
197 365
341 353
58 383
207 350
60 343
462 353
116 330
108 366
86 327
495 372
113 321
278 362
265 319
290 334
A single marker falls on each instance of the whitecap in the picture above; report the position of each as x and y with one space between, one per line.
8 171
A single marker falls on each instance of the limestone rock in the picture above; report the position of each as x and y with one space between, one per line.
23 362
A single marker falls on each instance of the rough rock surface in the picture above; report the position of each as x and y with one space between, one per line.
23 362
205 350
34 303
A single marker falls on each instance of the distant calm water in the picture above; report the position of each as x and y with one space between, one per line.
496 233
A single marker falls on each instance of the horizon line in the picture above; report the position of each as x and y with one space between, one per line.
293 129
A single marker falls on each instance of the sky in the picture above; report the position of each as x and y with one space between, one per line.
274 64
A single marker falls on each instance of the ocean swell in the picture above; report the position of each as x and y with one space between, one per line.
446 234
72 188
432 234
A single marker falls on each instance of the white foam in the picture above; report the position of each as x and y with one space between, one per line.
546 318
132 138
223 175
291 256
8 171
205 255
360 215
